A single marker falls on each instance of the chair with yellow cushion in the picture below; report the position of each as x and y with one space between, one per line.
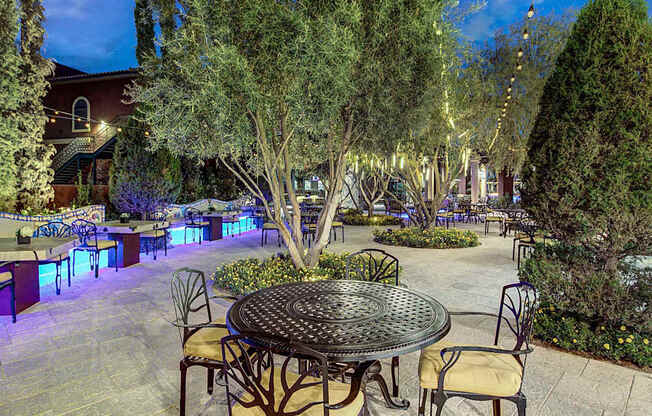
267 227
86 231
193 221
257 386
160 232
445 217
493 218
7 281
56 229
200 340
478 372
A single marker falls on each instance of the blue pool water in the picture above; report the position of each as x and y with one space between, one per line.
47 272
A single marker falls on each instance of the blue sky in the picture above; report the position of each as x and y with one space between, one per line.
99 35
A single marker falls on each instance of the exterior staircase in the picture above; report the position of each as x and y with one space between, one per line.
81 152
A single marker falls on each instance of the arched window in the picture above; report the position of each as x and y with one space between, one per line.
81 111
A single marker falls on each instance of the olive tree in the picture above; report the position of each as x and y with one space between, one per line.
272 86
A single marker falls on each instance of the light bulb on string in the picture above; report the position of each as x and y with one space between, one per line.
87 125
525 34
146 133
509 89
52 120
520 52
519 66
509 97
119 129
513 78
530 12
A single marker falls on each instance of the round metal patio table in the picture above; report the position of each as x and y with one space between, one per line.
349 321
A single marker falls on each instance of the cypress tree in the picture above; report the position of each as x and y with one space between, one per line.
34 158
590 155
10 99
144 30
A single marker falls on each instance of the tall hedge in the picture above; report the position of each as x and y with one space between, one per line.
589 171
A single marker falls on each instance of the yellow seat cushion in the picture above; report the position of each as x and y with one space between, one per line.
338 224
5 277
474 372
206 343
270 226
493 218
154 234
336 393
445 214
101 244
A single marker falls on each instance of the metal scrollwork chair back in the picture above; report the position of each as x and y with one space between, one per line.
54 229
275 389
200 341
192 216
516 312
372 265
86 231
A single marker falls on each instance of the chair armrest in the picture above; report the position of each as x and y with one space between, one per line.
456 352
197 326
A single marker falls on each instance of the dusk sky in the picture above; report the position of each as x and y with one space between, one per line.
99 35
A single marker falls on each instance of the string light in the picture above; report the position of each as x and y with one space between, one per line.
530 12
520 52
519 66
513 78
525 34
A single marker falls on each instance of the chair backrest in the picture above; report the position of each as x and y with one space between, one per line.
189 295
85 230
192 216
518 305
262 384
158 215
372 265
54 229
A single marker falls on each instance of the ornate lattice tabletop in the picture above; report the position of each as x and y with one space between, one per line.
347 320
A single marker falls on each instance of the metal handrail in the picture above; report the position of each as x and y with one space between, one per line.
84 145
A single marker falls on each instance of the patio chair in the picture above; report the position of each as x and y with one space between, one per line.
337 224
255 385
446 217
200 341
493 373
493 218
86 231
7 281
56 229
266 228
231 223
374 265
157 234
193 221
309 227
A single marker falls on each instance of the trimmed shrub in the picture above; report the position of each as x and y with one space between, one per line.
249 275
585 308
379 220
429 238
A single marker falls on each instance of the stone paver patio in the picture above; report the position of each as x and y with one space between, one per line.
104 347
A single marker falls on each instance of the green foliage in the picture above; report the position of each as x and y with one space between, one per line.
613 342
548 35
576 282
379 220
144 30
245 276
210 180
84 190
34 158
10 96
504 202
590 157
142 181
429 238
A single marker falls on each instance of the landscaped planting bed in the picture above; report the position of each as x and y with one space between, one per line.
245 276
583 308
429 238
363 219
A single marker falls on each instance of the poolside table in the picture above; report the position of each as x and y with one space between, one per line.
354 323
128 238
25 268
214 219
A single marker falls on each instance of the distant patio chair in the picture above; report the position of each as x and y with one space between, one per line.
193 221
157 234
56 229
86 231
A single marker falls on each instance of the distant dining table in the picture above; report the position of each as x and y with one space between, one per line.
215 220
128 237
354 323
24 260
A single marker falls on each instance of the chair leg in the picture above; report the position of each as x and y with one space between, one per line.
513 249
165 242
96 262
182 389
185 230
68 263
73 261
211 378
395 379
155 242
57 278
496 407
423 398
12 301
521 404
116 257
439 399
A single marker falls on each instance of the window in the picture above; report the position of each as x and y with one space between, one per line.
81 110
